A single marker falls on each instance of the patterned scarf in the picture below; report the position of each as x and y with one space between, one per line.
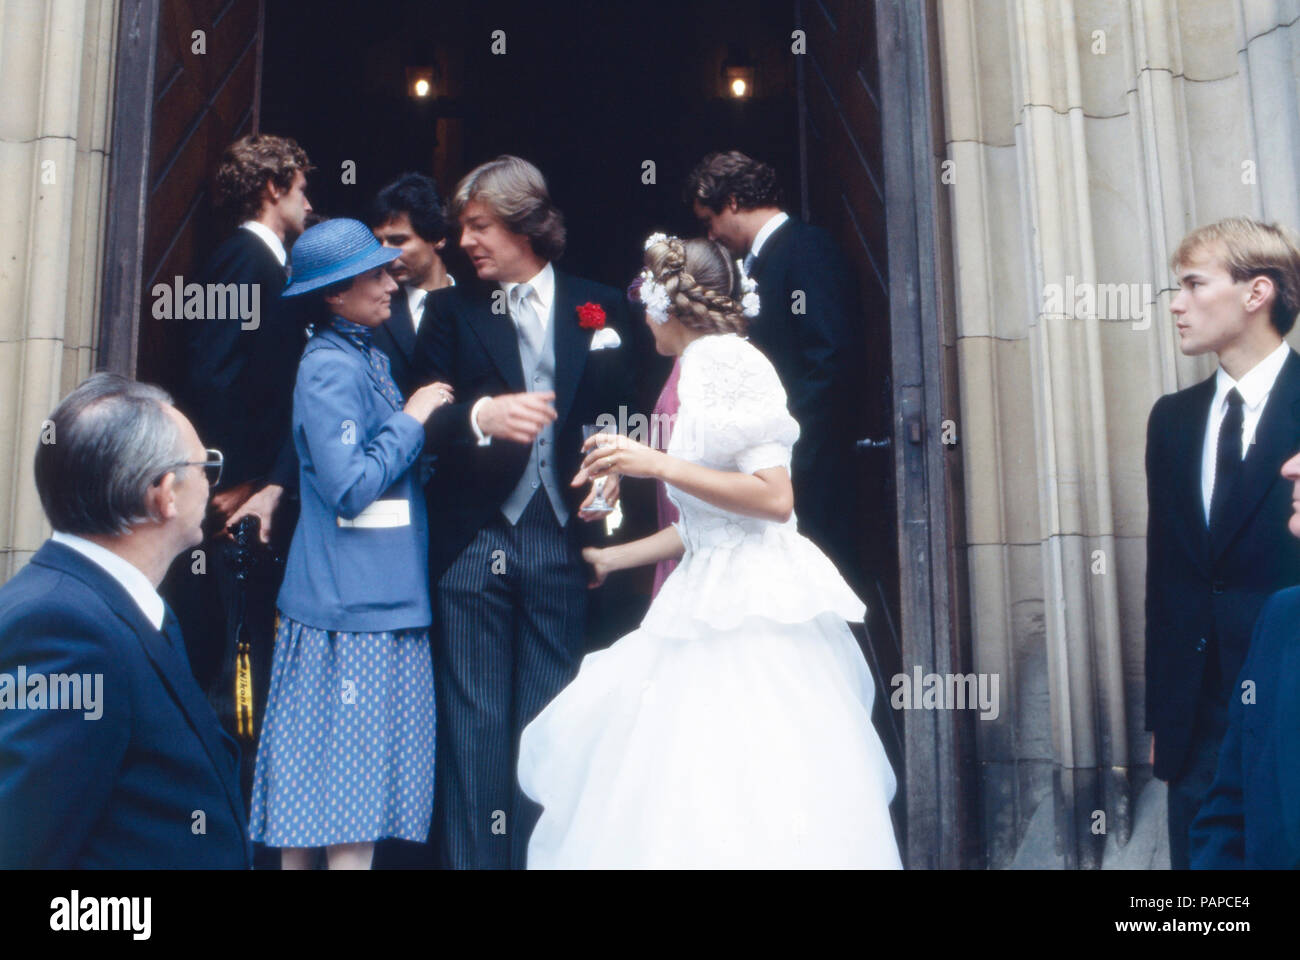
362 338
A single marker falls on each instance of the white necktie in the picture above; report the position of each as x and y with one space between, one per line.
417 314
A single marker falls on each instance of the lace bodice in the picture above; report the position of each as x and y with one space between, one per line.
733 417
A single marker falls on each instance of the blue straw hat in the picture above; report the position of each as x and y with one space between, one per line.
332 251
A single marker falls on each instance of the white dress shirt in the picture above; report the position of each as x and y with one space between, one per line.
1254 387
765 231
415 298
268 237
541 299
131 578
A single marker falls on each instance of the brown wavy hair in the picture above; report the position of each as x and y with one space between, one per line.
720 176
515 191
702 282
248 163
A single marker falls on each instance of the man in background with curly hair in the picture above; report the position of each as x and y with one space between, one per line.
237 388
810 326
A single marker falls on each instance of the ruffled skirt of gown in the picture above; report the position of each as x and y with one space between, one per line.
748 745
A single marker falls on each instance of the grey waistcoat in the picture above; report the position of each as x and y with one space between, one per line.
539 374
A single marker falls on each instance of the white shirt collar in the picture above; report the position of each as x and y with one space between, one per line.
766 230
267 236
131 578
543 290
415 298
1255 384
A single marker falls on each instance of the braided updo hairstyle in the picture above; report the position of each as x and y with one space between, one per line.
702 283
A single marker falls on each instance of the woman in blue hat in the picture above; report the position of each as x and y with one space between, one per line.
347 746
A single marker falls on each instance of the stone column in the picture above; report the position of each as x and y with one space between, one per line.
1085 139
56 70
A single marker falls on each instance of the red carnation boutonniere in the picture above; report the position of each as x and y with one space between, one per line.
591 316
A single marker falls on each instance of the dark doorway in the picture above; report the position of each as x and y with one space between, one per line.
590 92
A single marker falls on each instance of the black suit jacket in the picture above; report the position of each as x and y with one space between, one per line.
396 337
1204 594
818 356
121 790
463 343
1251 817
239 387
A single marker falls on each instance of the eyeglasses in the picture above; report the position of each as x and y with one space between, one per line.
211 467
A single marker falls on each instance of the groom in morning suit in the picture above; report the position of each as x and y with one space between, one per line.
1217 543
508 579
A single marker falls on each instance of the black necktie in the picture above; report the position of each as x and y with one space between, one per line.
1227 460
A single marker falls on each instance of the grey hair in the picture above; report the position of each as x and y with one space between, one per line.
112 439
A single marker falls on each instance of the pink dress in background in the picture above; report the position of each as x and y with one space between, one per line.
665 413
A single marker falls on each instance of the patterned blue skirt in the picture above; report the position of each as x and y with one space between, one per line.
346 752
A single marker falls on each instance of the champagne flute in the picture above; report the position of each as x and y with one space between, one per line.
598 505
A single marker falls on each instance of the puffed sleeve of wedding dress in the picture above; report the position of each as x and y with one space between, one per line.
737 403
736 568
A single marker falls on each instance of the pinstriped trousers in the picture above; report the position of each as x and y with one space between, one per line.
512 620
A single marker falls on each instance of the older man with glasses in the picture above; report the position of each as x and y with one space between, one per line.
110 755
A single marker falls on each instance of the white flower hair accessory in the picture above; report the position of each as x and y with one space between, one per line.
654 296
749 292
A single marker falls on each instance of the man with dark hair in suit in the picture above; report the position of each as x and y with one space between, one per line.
1217 544
240 385
109 755
1251 817
408 214
533 354
810 326
238 389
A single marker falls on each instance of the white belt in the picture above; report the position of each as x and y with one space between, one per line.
381 513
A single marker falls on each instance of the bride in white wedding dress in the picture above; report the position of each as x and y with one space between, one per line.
733 728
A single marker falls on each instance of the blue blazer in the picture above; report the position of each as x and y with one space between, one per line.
122 790
1251 817
355 448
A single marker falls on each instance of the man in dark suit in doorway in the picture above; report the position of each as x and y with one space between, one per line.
237 387
240 384
810 325
408 214
1217 541
533 354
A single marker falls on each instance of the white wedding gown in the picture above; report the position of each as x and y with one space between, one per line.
733 728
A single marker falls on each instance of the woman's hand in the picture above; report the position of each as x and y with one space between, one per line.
428 399
611 453
601 567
